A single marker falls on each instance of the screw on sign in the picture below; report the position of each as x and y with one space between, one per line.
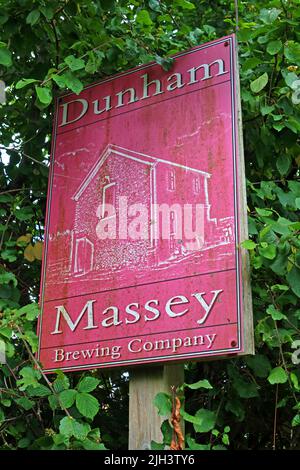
145 214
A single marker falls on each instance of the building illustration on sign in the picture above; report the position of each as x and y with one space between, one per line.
124 179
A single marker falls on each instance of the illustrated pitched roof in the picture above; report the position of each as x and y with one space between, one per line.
132 155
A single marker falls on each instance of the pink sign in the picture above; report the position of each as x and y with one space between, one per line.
141 259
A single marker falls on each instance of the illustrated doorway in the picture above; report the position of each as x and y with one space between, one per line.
83 256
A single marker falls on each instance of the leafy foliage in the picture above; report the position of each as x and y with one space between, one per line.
68 45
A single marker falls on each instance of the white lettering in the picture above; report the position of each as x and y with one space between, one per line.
73 325
177 83
146 85
207 71
152 309
173 301
121 94
135 314
65 107
113 320
207 307
107 107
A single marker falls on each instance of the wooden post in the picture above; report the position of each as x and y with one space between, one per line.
145 383
249 346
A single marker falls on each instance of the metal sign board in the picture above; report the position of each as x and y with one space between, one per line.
146 210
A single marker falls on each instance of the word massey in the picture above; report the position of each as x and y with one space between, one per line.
149 88
175 307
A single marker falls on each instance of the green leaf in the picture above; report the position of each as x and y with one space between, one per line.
29 376
279 265
251 63
166 63
259 83
5 402
143 18
274 47
25 403
268 251
6 198
203 421
157 446
3 17
88 384
283 164
279 287
277 376
5 56
73 83
294 186
59 80
61 382
24 82
87 405
6 277
295 381
235 406
293 278
266 110
163 403
67 398
282 226
24 442
70 427
47 12
193 445
31 311
53 402
263 212
296 420
25 213
2 416
275 314
248 245
88 444
44 94
206 420
245 389
154 5
269 15
200 384
167 432
185 5
74 64
33 17
293 124
292 51
290 80
38 391
94 61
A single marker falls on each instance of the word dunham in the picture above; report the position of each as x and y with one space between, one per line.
150 88
135 346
